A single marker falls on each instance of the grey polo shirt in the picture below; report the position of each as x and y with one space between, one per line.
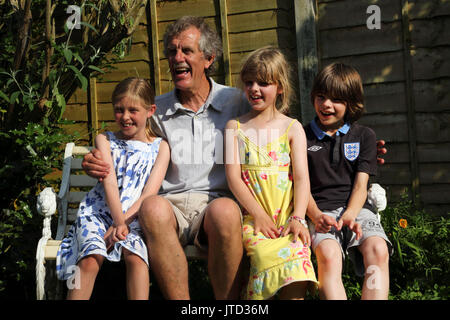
196 139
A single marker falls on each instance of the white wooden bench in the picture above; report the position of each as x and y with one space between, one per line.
74 185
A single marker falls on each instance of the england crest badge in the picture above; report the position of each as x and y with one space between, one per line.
351 150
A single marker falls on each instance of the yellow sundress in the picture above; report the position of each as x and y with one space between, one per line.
274 263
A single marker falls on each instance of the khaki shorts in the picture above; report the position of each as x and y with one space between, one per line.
189 209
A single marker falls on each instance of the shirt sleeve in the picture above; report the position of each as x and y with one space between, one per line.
367 160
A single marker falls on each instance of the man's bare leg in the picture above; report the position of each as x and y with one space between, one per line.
166 255
222 226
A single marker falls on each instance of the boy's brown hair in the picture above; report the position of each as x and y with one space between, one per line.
339 81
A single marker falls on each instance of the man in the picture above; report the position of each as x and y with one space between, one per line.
195 204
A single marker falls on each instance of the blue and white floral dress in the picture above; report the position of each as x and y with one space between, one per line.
133 160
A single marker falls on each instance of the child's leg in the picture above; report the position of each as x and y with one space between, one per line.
329 267
138 279
294 291
88 268
376 262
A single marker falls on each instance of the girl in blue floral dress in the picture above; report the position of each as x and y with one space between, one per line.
106 224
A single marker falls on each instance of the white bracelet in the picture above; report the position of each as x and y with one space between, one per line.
302 221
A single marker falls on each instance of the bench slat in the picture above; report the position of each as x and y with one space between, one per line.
76 196
82 181
51 249
76 163
71 215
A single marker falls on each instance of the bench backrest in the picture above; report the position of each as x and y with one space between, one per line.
74 186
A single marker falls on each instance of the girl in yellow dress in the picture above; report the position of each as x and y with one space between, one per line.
265 159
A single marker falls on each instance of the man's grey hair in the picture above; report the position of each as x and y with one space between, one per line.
210 43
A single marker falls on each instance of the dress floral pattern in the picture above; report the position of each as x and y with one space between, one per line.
133 160
274 263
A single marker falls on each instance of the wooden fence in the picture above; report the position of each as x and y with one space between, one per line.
405 66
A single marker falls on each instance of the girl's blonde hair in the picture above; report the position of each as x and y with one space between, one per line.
140 90
268 64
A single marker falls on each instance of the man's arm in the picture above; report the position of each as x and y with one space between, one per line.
94 166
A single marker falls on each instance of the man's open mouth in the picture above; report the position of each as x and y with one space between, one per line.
182 70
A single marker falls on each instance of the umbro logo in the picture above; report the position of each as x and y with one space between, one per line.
314 148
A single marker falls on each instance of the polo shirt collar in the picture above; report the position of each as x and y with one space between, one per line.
320 134
213 100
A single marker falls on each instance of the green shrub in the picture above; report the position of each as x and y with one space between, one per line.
421 258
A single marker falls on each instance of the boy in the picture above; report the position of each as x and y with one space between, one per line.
341 156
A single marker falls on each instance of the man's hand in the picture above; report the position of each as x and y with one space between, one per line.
381 150
94 166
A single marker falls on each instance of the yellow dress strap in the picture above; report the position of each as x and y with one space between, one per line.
238 123
289 126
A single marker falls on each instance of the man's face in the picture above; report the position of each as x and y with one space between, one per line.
186 62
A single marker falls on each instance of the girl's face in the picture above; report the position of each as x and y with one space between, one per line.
131 116
330 112
261 95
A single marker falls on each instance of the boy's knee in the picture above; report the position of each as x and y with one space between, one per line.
328 253
376 251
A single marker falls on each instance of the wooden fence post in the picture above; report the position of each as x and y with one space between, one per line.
305 24
410 103
225 41
93 109
155 47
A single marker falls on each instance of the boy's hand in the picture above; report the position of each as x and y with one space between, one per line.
349 221
324 223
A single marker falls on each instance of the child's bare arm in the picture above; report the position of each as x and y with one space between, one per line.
300 176
355 203
154 181
111 188
322 222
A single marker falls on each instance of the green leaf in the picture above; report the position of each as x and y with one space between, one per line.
79 75
4 96
96 69
78 58
62 103
415 248
89 26
68 55
14 96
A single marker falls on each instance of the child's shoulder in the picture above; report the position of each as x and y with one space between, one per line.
361 130
104 136
292 125
232 123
